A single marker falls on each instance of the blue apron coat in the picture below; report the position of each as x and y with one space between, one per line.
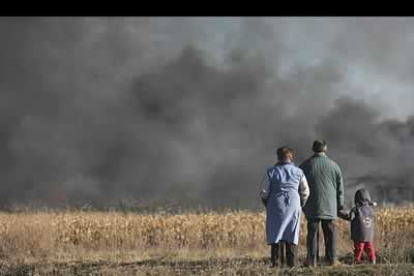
283 210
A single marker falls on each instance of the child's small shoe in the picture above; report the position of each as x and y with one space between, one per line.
357 262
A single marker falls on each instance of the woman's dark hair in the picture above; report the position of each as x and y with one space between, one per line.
284 152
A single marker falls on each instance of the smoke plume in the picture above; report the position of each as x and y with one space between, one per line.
193 109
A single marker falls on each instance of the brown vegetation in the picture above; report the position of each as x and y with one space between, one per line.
145 241
74 236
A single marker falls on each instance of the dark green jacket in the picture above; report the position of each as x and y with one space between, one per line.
326 187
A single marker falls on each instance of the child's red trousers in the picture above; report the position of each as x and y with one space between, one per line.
360 247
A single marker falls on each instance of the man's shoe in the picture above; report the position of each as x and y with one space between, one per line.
311 261
334 263
310 264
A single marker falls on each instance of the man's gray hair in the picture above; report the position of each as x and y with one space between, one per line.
319 146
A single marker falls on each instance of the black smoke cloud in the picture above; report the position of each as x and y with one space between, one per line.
373 152
101 109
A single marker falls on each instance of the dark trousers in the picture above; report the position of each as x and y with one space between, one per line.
283 253
312 241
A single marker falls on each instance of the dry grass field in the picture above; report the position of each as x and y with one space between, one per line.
113 243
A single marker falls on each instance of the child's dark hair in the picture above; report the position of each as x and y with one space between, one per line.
362 197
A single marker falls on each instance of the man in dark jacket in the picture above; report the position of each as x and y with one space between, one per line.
326 199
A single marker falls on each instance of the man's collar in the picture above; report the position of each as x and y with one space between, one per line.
319 154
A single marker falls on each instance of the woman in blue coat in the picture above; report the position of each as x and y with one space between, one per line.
286 193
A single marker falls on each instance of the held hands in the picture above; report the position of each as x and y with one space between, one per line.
344 214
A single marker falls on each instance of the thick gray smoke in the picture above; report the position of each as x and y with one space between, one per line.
102 109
